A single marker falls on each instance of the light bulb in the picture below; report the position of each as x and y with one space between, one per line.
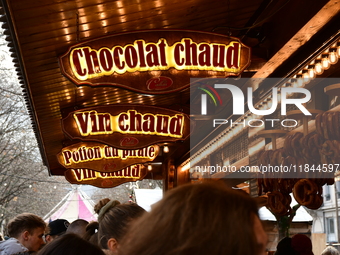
305 77
325 61
318 67
299 81
149 167
165 149
333 56
311 71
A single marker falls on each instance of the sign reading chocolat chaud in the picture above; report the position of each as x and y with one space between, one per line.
127 126
163 59
106 180
104 158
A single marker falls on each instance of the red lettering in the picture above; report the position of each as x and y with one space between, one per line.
117 51
121 122
204 57
91 60
218 55
131 56
177 54
162 53
141 54
232 55
105 59
76 62
190 53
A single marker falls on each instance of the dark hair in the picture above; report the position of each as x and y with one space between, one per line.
91 233
284 247
70 244
196 219
78 227
24 222
113 219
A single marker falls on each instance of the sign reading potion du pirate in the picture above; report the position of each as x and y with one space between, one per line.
104 158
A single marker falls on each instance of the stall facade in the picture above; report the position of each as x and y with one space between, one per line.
109 91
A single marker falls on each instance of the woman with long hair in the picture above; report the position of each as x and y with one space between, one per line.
199 219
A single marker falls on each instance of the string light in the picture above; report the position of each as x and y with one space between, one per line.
325 62
333 56
311 71
318 67
165 149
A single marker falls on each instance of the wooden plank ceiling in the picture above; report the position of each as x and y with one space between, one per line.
39 31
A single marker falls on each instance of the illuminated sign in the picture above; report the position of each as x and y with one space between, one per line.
106 180
104 158
127 126
154 62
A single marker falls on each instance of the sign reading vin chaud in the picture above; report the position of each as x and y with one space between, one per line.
106 180
127 126
163 59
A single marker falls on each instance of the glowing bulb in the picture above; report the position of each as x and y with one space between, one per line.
298 81
333 57
318 67
325 62
165 149
311 71
149 167
305 77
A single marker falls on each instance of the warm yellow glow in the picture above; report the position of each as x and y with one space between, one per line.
155 57
185 166
325 62
318 67
333 57
84 154
311 71
130 122
81 175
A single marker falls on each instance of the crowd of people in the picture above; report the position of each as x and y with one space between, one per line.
205 218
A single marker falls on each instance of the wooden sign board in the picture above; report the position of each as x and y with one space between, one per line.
106 180
154 61
104 158
127 126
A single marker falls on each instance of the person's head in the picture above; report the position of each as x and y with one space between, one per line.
113 219
330 250
91 234
55 229
29 229
302 244
70 244
284 247
78 227
206 218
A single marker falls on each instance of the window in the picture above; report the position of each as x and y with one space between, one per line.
330 226
330 230
327 194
